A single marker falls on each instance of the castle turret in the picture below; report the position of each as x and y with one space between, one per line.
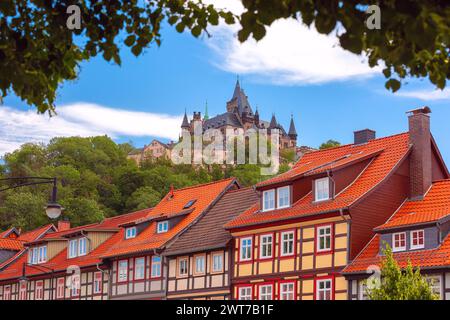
257 117
185 124
292 132
273 122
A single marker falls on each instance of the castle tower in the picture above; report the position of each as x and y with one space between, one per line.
292 132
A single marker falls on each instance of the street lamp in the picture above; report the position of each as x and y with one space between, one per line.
24 279
52 209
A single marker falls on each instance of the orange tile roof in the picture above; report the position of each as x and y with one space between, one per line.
386 154
433 207
11 244
5 233
148 239
23 238
369 256
60 262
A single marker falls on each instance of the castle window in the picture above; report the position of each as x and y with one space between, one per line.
269 200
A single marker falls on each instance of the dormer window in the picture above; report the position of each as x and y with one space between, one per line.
269 200
283 196
417 239
163 226
77 247
130 233
399 241
322 189
37 255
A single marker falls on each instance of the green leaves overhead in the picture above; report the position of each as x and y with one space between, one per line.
38 52
413 40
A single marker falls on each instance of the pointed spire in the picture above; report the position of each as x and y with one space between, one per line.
206 117
256 112
292 132
273 122
185 123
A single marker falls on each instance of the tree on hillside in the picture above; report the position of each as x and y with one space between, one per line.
329 144
38 52
398 284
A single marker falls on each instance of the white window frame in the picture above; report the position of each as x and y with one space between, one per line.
245 293
319 290
264 247
139 273
156 267
42 256
122 271
23 291
162 226
75 286
319 236
316 189
185 260
130 233
199 264
265 295
418 246
40 290
288 204
5 290
431 280
248 247
285 290
395 248
265 193
363 290
60 288
98 282
218 263
283 241
82 246
35 255
73 248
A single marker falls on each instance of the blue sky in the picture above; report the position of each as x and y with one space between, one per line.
329 100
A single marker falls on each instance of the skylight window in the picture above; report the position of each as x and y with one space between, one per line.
189 204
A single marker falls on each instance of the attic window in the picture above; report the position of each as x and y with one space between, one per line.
130 233
189 204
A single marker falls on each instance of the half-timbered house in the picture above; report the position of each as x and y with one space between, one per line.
199 261
314 219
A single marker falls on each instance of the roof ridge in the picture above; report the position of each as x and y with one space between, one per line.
204 184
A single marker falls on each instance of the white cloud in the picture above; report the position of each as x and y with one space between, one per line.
82 119
426 95
290 53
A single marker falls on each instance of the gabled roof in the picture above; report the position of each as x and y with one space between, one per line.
369 256
208 233
384 154
21 240
205 194
61 262
432 208
242 101
7 232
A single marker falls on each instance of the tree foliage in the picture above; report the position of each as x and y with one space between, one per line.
413 41
329 144
38 52
398 284
96 180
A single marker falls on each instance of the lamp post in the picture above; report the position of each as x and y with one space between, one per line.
53 209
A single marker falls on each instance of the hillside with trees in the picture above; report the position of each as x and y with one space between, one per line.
96 180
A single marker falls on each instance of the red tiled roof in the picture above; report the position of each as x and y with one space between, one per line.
421 258
386 154
148 239
433 207
5 233
11 244
60 262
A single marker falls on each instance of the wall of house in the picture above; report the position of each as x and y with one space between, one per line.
377 207
357 285
304 267
50 287
148 288
207 285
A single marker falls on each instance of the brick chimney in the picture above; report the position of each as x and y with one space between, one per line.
420 159
63 225
363 136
